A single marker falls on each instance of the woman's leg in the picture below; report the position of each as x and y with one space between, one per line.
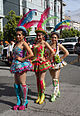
24 90
42 86
38 87
55 81
17 91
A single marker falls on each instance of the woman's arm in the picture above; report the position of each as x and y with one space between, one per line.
51 50
65 51
30 53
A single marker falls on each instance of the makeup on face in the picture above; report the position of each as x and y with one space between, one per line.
39 36
19 35
54 38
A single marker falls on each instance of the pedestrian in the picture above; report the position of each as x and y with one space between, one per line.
77 48
1 49
41 64
20 65
10 50
5 50
57 62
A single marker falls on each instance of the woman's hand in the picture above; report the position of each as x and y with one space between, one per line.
19 58
42 59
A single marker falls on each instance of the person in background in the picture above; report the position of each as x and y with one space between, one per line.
10 50
57 63
1 49
40 63
20 65
5 50
77 48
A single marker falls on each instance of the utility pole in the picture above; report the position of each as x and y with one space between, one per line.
55 14
61 12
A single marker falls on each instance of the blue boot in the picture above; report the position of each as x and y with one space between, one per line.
24 90
17 91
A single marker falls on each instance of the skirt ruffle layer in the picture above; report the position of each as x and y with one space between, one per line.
19 67
58 65
41 66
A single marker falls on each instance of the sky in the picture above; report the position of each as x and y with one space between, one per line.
72 9
72 5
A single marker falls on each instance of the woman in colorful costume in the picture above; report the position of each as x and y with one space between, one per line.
40 63
57 63
21 63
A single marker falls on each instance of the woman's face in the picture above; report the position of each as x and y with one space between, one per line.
19 35
40 37
54 38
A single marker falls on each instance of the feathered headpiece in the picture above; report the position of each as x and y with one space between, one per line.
43 21
43 17
63 24
26 21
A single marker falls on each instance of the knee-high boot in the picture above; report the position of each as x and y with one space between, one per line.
42 86
39 90
56 92
17 91
24 90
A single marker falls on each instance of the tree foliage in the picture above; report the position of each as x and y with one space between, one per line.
1 35
70 33
9 28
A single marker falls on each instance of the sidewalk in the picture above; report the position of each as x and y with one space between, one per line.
66 105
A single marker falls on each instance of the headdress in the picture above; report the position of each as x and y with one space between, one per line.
61 25
43 17
43 21
26 21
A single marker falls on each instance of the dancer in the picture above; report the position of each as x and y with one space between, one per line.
57 62
21 63
40 63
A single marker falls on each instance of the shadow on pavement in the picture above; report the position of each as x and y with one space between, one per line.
6 90
7 103
72 60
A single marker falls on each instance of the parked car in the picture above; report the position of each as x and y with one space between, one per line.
48 40
60 41
31 40
69 43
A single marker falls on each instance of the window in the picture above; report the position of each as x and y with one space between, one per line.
35 13
30 9
30 0
51 5
24 11
41 2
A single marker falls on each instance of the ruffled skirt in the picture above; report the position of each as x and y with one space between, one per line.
19 67
58 65
41 66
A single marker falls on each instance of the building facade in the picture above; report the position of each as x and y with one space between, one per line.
32 4
1 15
22 6
9 5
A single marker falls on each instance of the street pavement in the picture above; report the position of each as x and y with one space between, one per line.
67 105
